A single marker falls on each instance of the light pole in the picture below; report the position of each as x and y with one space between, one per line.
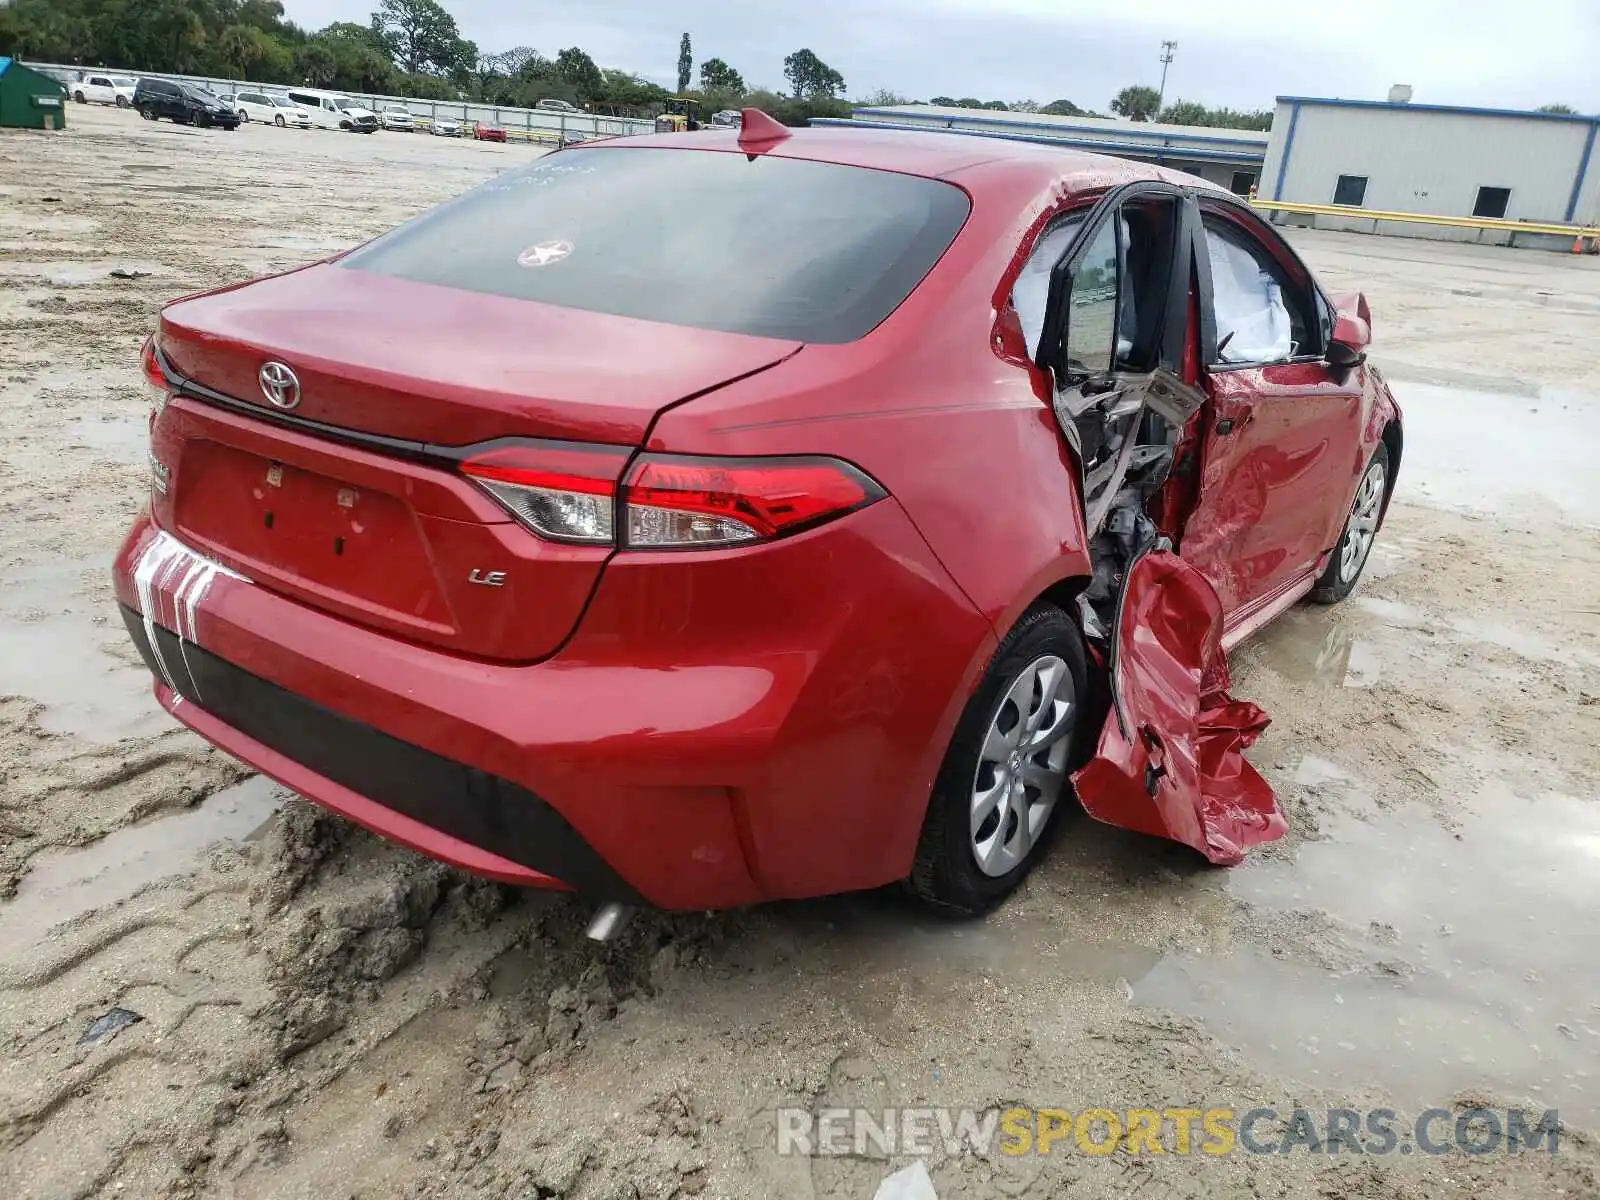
1166 59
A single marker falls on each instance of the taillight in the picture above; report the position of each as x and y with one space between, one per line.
155 376
563 492
673 501
568 492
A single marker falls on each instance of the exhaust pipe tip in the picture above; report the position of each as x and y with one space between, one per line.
608 921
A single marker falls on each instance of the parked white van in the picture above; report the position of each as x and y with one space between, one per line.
334 110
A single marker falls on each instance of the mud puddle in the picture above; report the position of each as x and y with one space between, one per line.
64 885
1374 639
77 272
54 652
124 437
1485 453
1471 970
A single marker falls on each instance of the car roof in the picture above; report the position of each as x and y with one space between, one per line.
979 164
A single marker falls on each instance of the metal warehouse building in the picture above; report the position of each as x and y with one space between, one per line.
1428 158
1231 157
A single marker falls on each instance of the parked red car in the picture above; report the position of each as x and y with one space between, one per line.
760 517
487 133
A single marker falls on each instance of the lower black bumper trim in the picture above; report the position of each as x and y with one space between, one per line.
481 809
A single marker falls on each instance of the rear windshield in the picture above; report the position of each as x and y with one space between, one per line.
784 248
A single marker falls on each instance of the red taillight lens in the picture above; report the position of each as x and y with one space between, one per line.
568 492
686 502
151 365
155 376
561 491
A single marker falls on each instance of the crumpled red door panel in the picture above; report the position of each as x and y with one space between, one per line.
1171 756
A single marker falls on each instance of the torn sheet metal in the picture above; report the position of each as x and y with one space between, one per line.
1124 434
1170 760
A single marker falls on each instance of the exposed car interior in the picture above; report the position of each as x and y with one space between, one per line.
1118 399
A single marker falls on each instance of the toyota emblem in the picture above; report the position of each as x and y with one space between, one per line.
545 254
279 385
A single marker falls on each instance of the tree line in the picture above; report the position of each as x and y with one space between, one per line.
414 48
409 48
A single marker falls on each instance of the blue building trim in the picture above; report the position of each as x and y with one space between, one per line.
1583 169
1460 110
1089 125
1288 145
1159 153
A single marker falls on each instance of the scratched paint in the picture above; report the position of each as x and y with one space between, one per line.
167 567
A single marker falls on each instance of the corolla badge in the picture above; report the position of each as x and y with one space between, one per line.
279 385
543 254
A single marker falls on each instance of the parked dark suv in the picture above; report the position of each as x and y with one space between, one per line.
183 103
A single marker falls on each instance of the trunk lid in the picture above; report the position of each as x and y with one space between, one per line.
426 363
383 533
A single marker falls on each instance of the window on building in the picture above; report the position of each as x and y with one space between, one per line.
1351 190
1492 202
1242 182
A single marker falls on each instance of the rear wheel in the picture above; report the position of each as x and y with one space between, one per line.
122 102
1006 770
1360 529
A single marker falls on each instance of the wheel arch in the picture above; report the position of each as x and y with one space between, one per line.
1393 438
1064 593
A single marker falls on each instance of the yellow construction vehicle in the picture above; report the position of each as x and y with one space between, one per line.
681 115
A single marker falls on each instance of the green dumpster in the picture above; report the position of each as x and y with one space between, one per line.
30 99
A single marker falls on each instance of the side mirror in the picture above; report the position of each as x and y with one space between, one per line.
1348 346
1352 331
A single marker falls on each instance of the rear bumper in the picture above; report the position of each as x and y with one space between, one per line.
410 795
722 728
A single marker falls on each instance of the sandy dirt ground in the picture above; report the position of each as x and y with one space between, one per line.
210 988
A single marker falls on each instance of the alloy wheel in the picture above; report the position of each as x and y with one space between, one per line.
1023 765
1362 526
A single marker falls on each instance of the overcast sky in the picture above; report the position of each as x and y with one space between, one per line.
1240 53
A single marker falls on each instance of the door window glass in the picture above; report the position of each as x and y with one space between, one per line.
1032 289
1092 309
1253 319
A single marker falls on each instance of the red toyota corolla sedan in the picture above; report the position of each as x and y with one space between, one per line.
702 520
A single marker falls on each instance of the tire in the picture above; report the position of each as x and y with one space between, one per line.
122 102
345 126
280 122
78 96
1349 558
146 114
244 117
975 848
